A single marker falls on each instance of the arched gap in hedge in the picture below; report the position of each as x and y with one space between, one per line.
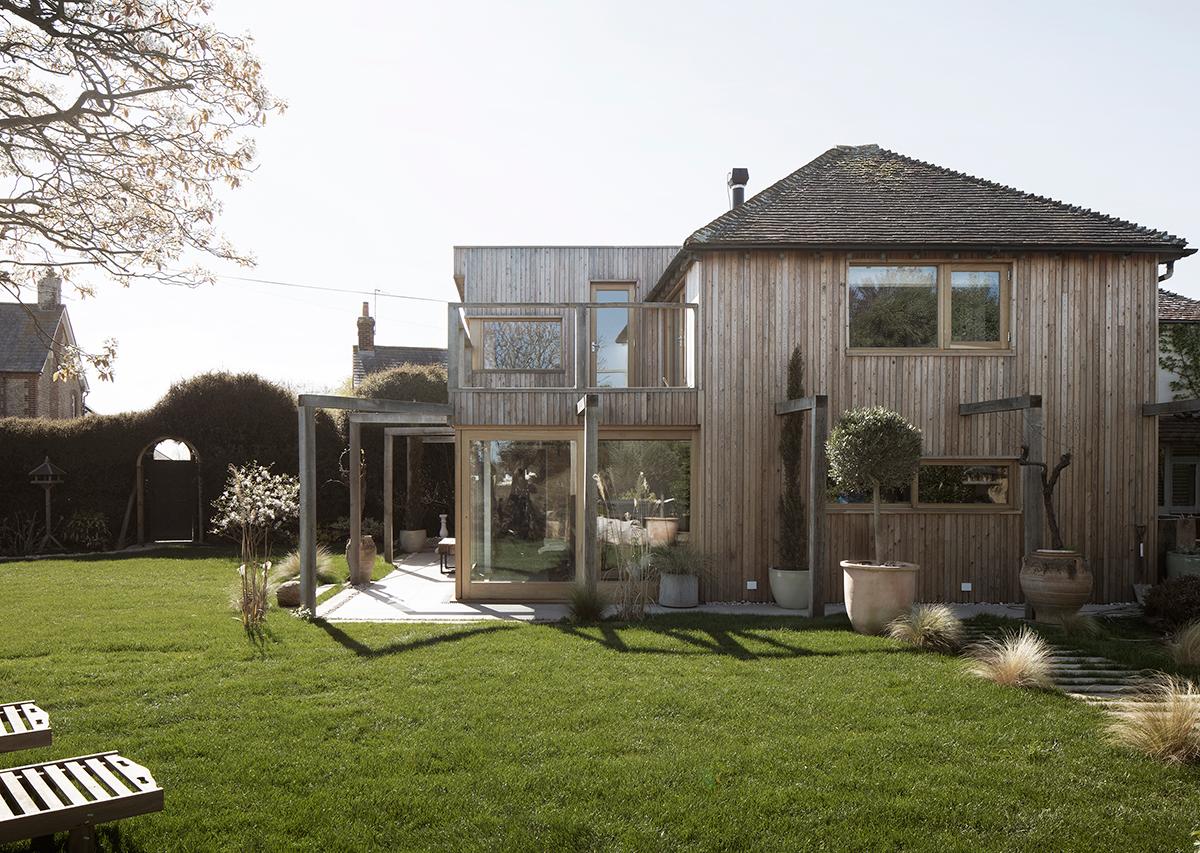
140 487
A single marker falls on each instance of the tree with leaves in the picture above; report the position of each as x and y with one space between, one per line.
1179 348
119 122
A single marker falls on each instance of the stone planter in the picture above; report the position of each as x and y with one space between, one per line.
288 594
678 590
1055 583
1179 564
412 541
790 588
360 569
662 531
875 594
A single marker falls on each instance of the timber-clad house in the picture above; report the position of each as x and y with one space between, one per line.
903 284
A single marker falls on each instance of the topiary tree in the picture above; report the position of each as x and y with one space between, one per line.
873 449
793 531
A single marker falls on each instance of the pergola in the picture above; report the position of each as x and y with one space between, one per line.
410 420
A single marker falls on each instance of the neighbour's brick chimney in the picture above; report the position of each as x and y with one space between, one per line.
49 291
366 330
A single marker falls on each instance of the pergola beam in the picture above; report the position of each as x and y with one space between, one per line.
1004 404
818 467
1174 407
427 431
397 419
365 404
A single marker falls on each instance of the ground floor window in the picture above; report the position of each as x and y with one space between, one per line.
1178 475
942 484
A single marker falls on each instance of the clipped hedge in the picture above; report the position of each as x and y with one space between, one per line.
228 418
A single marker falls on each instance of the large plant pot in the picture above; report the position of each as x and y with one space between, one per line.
1055 583
790 588
1179 565
875 594
412 541
678 590
662 531
360 569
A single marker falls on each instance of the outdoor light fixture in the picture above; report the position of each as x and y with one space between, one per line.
47 475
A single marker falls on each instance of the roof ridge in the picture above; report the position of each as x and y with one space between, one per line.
1074 208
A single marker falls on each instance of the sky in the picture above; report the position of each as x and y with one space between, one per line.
415 127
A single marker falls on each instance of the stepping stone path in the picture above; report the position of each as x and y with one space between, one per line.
1087 677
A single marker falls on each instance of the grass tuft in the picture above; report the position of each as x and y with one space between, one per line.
1163 721
1185 645
585 605
1020 659
289 567
1079 626
933 627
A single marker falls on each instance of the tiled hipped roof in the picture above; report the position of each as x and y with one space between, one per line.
865 196
1174 308
367 362
25 334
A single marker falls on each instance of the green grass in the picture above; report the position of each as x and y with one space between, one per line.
687 733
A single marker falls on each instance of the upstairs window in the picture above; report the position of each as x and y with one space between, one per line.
519 344
929 306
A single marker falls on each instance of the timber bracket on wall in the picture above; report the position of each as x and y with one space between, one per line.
818 406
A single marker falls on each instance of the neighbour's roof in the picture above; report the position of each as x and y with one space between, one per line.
382 358
1175 308
864 196
25 335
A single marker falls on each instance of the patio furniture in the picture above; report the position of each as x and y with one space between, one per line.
73 795
23 725
445 551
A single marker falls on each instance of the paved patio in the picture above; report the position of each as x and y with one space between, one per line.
417 592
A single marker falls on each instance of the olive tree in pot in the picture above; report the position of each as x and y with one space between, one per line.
679 569
870 450
790 580
412 537
1056 581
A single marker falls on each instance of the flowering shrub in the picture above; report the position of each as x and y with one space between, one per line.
254 505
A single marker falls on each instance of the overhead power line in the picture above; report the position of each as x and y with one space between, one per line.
335 289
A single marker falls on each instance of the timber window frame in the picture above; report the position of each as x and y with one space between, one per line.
1168 481
479 330
944 340
915 504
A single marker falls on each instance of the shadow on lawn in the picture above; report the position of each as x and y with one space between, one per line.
706 638
108 838
363 650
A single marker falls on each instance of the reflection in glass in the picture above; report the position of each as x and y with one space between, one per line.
893 306
896 495
647 490
975 306
522 344
611 342
522 510
963 484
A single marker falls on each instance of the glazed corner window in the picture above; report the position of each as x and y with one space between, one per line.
524 344
929 306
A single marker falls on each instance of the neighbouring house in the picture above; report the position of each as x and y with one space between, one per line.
1178 434
903 284
32 341
368 358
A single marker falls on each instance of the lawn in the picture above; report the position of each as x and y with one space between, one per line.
687 733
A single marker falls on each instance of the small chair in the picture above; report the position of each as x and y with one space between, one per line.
73 795
23 725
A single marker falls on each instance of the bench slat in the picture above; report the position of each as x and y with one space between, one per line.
35 716
34 778
18 792
93 787
14 719
64 786
106 776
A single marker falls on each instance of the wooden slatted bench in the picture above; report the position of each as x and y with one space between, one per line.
73 795
23 725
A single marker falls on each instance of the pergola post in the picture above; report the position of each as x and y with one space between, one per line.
588 408
389 494
818 467
308 509
355 473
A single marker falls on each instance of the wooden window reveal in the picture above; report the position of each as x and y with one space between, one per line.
929 306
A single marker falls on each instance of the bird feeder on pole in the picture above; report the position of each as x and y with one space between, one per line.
47 475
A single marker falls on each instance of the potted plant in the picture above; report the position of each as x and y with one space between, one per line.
662 529
1183 560
679 569
412 537
873 449
791 584
1056 581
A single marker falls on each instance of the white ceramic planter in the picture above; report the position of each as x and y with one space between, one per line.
875 595
412 541
678 590
790 588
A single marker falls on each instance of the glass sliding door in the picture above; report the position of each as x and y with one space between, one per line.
611 336
521 505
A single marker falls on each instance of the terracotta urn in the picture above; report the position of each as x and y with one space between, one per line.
662 531
877 594
1055 583
360 569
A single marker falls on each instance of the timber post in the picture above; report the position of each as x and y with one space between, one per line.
588 408
308 510
389 493
354 465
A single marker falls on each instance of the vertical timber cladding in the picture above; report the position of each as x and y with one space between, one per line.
1084 338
